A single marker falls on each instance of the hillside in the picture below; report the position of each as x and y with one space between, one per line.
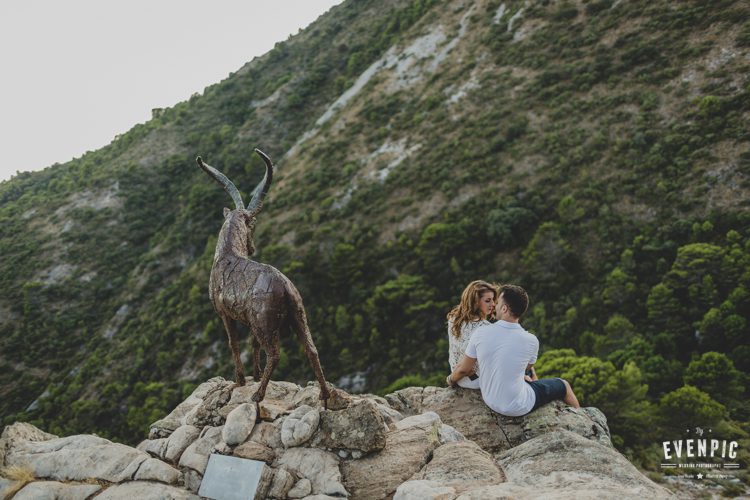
596 152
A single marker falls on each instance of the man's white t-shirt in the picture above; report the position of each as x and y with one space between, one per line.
503 350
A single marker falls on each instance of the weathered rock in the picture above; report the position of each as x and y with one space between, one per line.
178 417
178 442
390 416
299 426
448 434
53 490
21 431
143 490
239 424
268 433
320 467
360 426
78 458
407 450
339 400
301 489
154 447
424 490
255 451
208 412
461 465
192 480
196 455
153 469
282 482
558 463
272 409
464 410
278 391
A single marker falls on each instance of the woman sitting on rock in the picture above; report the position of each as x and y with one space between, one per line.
475 309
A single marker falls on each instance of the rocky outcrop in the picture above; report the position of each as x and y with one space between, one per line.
413 444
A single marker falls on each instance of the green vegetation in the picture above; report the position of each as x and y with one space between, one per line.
601 160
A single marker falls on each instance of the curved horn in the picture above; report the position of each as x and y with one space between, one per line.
222 179
256 203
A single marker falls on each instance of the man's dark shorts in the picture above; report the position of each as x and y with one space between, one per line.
546 390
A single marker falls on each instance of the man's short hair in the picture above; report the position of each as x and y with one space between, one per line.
516 298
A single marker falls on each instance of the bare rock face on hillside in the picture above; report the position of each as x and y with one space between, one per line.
416 443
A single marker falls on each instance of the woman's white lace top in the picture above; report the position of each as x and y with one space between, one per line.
457 346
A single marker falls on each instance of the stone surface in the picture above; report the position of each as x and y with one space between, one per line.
555 464
461 465
21 431
271 409
282 482
301 489
268 433
239 424
424 490
448 434
407 450
53 490
208 412
153 469
178 442
142 490
192 480
299 426
320 467
255 451
360 426
78 458
196 455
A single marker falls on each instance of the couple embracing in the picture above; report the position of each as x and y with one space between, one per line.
498 357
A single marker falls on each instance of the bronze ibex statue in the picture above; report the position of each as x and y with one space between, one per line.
252 293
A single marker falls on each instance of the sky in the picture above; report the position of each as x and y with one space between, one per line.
75 73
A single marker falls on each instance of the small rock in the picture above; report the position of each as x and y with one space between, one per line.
282 482
320 467
222 448
239 424
178 442
421 490
192 480
356 454
196 455
255 451
178 416
299 426
268 433
301 489
270 410
358 427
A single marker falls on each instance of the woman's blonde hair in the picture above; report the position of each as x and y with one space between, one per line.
468 309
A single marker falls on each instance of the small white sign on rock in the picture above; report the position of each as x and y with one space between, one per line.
231 478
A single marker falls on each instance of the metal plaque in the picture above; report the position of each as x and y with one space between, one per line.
231 478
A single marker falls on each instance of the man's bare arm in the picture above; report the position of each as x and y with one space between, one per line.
465 367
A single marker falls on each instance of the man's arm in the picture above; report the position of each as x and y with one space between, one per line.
465 367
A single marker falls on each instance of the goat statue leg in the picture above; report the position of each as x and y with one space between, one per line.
234 345
272 349
256 358
299 325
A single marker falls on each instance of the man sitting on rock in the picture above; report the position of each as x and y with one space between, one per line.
505 352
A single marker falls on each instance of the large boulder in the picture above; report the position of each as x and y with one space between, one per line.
562 464
86 457
465 410
408 448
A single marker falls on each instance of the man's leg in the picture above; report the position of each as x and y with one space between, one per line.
570 396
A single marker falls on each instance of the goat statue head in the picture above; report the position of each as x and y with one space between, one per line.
241 220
